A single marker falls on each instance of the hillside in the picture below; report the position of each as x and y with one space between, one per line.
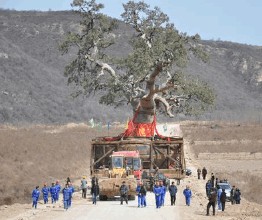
34 90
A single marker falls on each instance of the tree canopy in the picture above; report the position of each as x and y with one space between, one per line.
151 76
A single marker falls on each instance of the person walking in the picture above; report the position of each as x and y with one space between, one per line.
213 180
71 191
123 193
223 198
68 180
188 194
219 192
66 196
94 192
151 182
163 192
198 173
232 195
45 191
208 187
58 189
172 190
204 173
53 193
84 187
35 196
157 191
216 182
141 195
237 196
212 201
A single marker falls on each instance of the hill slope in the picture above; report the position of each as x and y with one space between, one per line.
34 90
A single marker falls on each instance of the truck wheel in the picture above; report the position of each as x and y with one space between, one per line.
102 198
131 197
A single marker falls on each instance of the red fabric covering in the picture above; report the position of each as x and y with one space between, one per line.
138 130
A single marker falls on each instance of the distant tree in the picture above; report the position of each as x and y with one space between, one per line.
150 77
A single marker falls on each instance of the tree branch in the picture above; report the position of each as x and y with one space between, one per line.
168 107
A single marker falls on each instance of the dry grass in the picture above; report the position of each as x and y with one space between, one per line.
224 137
33 155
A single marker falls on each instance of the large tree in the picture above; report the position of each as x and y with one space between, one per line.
150 77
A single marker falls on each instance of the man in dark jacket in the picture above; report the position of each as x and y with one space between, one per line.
232 195
123 193
204 173
141 195
172 190
223 198
237 196
212 179
198 173
212 200
94 191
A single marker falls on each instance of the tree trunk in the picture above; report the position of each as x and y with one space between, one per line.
146 111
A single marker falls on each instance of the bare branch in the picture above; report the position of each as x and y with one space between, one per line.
168 107
103 66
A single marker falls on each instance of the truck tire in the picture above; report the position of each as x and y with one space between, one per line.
102 197
131 197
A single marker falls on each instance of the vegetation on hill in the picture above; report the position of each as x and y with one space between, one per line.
34 89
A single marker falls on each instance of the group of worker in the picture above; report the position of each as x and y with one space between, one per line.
213 192
216 195
54 192
159 190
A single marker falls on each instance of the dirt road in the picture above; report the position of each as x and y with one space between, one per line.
110 210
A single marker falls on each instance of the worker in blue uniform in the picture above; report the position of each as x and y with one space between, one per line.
35 196
45 192
66 196
53 193
157 190
58 189
188 194
163 194
71 191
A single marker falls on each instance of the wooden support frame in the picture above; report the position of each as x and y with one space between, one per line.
167 151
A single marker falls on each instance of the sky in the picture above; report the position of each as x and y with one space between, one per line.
227 20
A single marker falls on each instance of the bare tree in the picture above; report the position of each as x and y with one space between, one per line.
150 77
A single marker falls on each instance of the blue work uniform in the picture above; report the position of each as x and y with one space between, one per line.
45 191
71 191
66 197
58 188
157 190
187 193
35 197
219 192
163 194
53 193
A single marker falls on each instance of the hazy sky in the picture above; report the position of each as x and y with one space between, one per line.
228 20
